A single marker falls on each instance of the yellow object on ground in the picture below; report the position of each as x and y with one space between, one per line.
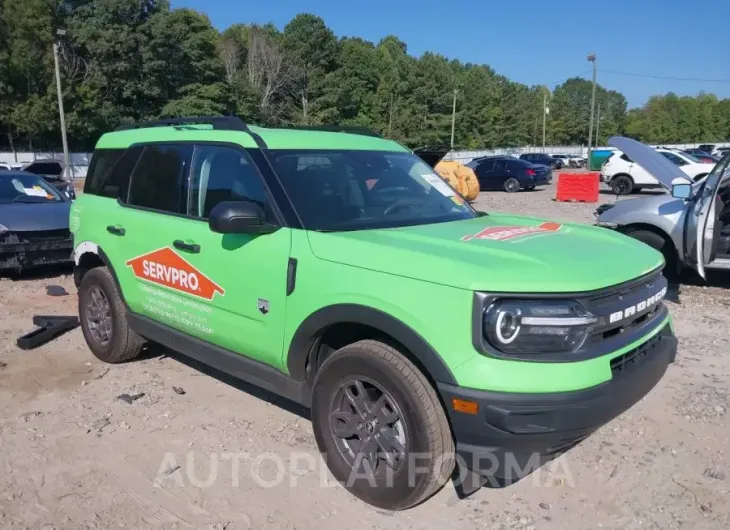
460 177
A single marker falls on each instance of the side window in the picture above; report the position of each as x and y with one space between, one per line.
158 177
500 166
487 165
221 173
626 158
100 170
674 158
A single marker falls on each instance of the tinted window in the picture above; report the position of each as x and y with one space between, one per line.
109 171
158 177
674 158
626 158
486 165
222 174
500 166
356 190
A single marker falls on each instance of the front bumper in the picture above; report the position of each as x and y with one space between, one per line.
17 254
514 434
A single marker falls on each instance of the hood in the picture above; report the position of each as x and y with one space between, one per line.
22 217
495 253
433 154
651 160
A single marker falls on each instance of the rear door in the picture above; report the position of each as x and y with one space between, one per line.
702 226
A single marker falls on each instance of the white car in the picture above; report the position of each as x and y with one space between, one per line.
624 177
570 160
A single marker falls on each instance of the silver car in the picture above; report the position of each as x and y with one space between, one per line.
690 225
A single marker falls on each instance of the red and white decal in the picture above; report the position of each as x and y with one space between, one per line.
503 233
166 267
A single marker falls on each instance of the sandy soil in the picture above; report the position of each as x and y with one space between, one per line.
216 453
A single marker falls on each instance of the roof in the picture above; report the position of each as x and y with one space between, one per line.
239 133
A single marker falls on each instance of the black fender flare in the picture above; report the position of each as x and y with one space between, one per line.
315 324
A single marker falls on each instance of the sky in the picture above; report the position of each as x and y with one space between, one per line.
531 41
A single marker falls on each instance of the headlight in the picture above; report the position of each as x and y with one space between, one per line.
537 326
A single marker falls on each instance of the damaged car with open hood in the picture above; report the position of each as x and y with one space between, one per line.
690 225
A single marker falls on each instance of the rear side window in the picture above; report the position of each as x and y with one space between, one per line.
157 180
100 169
109 172
626 158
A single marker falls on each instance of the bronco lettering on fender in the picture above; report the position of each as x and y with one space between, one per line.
166 267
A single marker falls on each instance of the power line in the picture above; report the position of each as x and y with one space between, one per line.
670 78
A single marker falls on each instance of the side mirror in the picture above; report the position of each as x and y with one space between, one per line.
682 191
239 217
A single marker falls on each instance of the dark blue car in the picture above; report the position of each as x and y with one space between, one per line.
509 174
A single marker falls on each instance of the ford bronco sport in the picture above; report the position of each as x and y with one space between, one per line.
338 270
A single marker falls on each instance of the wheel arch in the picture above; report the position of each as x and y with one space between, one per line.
89 255
304 347
634 227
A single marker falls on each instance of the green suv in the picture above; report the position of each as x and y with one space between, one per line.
338 270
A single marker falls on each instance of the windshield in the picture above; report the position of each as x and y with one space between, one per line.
357 190
16 187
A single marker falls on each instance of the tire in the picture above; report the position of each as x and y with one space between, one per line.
622 185
663 245
100 306
422 428
512 185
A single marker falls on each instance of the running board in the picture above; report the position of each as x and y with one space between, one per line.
221 359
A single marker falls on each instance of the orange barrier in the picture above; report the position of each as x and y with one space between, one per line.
580 187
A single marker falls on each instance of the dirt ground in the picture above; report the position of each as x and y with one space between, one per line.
197 450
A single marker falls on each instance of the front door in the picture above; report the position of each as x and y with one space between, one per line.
702 226
247 312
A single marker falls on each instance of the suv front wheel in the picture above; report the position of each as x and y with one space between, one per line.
103 319
380 426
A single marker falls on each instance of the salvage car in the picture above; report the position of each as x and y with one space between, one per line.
338 270
690 226
53 172
34 222
624 176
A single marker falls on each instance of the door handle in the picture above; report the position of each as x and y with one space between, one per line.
116 230
189 247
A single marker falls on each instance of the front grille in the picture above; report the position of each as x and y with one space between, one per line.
622 297
632 359
39 236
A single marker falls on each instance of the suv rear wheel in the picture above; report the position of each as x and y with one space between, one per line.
622 184
103 319
380 426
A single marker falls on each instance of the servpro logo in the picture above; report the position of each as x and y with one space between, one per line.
503 233
167 268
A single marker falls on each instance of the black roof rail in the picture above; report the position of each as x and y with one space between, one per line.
224 123
350 129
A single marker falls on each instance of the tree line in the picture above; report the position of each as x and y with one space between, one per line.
123 61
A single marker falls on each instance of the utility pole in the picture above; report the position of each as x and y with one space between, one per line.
598 122
544 117
66 159
592 59
453 117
